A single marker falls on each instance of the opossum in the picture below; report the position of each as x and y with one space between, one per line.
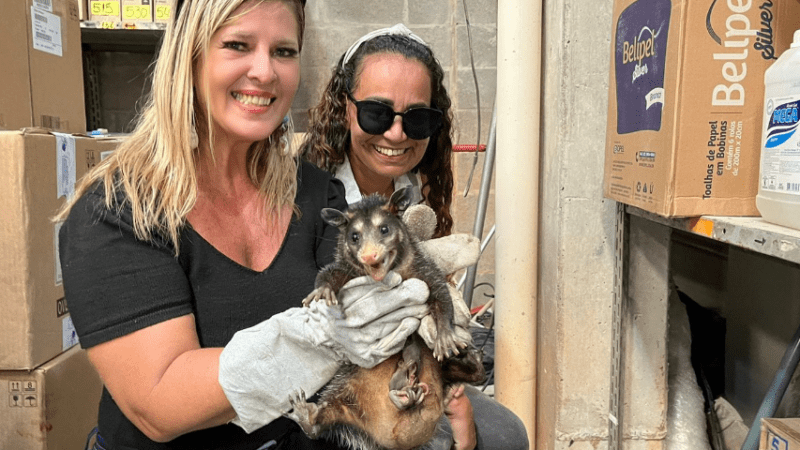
398 403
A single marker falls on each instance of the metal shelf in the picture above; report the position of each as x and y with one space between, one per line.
145 40
751 233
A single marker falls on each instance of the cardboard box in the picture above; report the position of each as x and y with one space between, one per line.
780 434
42 76
107 13
38 171
686 93
53 407
137 13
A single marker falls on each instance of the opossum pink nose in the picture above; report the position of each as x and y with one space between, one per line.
370 258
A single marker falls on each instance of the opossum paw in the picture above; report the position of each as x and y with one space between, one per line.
321 293
409 396
447 343
304 413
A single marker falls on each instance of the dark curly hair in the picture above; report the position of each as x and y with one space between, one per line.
328 137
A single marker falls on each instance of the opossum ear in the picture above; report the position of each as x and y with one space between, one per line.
334 217
401 199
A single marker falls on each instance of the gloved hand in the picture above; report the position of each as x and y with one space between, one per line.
376 317
450 253
302 348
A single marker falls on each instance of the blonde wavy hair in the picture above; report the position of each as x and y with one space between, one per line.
154 167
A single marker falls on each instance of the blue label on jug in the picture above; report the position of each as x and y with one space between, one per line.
782 124
640 57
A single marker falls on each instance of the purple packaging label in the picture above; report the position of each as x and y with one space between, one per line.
640 59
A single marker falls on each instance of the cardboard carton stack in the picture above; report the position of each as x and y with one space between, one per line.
685 98
53 407
38 172
51 390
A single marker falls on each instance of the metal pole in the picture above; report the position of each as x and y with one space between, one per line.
775 392
483 201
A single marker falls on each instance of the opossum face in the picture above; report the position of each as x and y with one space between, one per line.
373 241
372 235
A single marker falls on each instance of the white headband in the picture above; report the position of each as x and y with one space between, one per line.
398 30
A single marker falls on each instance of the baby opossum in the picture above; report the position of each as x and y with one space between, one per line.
398 403
373 240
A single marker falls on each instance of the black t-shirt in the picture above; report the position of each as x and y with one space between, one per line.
116 284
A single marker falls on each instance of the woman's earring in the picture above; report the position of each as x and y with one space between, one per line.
287 133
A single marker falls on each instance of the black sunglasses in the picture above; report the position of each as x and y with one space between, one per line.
375 117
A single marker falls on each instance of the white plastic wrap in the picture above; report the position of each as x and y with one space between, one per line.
686 423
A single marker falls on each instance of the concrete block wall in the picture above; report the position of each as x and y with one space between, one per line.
331 27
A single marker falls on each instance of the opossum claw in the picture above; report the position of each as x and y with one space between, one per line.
304 413
409 396
321 293
447 344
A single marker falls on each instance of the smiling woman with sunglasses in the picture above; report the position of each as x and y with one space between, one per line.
384 122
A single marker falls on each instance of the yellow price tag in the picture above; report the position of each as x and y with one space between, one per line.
105 8
136 12
163 12
108 25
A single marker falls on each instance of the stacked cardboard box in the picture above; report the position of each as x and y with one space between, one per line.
42 76
38 171
52 390
53 407
685 99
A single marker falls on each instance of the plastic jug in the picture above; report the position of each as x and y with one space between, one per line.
778 198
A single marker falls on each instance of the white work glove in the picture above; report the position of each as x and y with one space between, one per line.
450 253
302 348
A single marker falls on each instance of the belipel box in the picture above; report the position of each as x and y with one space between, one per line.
780 434
686 92
42 76
53 407
38 171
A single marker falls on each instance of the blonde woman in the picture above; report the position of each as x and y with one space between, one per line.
185 254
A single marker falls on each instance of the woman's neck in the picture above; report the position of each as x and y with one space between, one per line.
225 175
367 186
370 183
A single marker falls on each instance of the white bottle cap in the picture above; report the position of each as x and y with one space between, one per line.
796 39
